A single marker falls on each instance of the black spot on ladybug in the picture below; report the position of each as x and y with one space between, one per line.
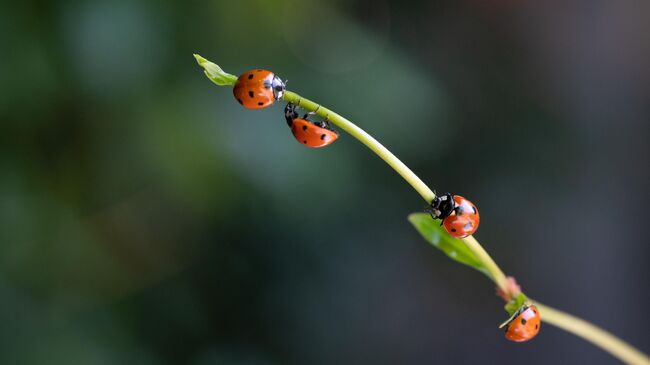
251 94
304 127
250 76
453 229
474 209
536 326
240 102
260 103
305 142
523 321
322 137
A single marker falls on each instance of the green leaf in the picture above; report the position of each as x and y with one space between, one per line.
439 238
215 73
513 306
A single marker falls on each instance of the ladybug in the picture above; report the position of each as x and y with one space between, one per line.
308 133
524 324
257 89
459 216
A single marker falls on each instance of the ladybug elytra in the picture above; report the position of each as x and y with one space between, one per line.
257 89
524 325
308 133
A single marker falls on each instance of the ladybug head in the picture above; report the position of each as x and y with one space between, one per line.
278 87
442 206
290 113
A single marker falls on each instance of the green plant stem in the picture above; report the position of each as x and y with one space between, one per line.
567 322
427 194
596 335
367 140
496 274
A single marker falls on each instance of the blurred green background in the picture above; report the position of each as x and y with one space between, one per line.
147 218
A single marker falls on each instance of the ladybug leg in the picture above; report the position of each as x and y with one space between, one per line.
312 113
326 124
433 211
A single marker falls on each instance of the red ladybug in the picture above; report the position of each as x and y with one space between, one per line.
459 216
308 133
257 89
524 325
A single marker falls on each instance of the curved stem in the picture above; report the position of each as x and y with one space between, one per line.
367 140
408 175
496 274
594 334
567 322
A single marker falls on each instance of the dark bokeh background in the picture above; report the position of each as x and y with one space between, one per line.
146 218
